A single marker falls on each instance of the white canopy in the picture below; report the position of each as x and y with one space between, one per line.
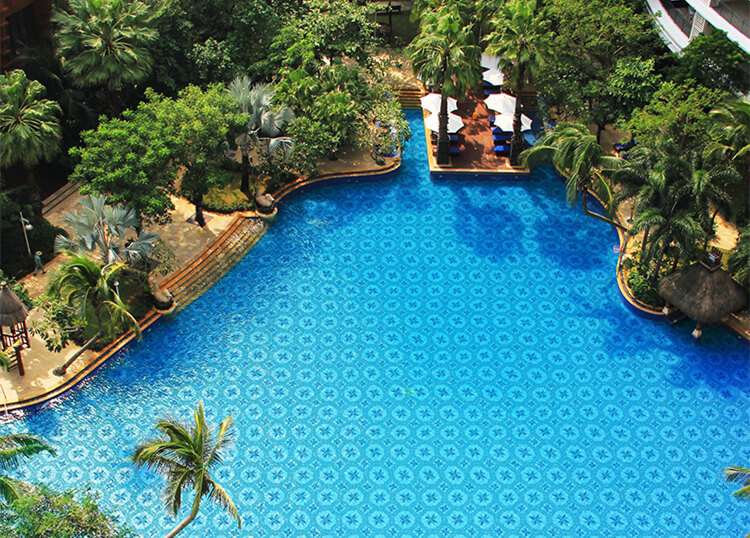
431 103
490 62
501 102
494 77
455 123
505 122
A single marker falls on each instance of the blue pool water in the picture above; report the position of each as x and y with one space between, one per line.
412 357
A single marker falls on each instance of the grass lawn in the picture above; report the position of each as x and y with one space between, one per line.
404 30
229 197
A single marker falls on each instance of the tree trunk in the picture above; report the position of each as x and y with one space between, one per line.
516 141
114 103
245 184
443 146
599 129
644 244
659 260
185 522
198 203
585 196
710 229
35 196
60 370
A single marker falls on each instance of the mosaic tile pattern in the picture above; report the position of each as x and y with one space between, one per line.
419 358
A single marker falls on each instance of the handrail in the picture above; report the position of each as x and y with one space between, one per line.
733 18
682 22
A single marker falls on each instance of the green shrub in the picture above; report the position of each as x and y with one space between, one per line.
17 288
643 290
14 258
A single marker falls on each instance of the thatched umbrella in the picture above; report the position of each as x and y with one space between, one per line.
13 314
704 292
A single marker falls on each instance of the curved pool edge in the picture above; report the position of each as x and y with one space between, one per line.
150 320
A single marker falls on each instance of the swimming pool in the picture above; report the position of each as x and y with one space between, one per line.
418 357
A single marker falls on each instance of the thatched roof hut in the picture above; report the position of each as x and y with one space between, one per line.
704 291
12 310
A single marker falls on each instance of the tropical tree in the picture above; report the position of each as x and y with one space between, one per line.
731 134
84 284
14 448
103 229
739 474
201 123
520 37
265 123
710 198
128 161
575 154
29 129
103 42
446 57
739 261
185 455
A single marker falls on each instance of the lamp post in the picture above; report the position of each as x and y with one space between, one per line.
26 225
117 288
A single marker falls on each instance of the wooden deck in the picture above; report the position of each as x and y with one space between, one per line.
477 147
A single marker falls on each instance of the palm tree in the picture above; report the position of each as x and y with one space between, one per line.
739 262
29 128
102 42
520 37
83 284
732 134
14 448
709 198
265 123
445 56
575 154
185 455
102 227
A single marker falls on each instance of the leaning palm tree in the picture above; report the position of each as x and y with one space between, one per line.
103 43
15 448
445 56
84 284
102 228
739 474
265 123
739 261
520 37
186 455
29 128
575 154
731 134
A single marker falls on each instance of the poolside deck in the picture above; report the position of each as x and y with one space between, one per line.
477 147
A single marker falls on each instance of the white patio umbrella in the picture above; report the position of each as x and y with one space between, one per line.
501 102
494 77
455 123
505 122
490 62
431 103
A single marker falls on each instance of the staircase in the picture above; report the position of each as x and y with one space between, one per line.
215 262
409 98
59 196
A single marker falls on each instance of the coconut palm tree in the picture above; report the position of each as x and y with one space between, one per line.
575 154
264 126
739 261
185 455
84 284
103 228
102 43
520 37
29 128
445 56
14 448
732 134
709 199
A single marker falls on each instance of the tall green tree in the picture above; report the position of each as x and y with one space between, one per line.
714 61
739 260
520 37
730 133
15 448
201 123
128 161
265 123
446 57
84 284
29 129
185 455
575 153
103 43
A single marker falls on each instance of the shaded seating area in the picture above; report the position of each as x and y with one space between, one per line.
703 292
